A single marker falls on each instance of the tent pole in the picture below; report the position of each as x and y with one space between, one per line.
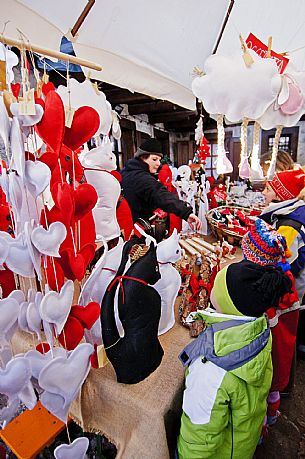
49 52
82 17
223 26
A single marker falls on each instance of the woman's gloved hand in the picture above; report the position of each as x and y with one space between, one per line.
194 222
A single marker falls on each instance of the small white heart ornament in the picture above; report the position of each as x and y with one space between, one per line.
48 241
55 307
76 450
37 177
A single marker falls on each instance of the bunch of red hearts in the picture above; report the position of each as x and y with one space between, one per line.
79 319
73 201
74 209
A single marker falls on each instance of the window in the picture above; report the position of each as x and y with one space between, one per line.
210 163
284 144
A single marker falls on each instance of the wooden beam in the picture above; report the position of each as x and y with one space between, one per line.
182 125
171 116
153 106
123 96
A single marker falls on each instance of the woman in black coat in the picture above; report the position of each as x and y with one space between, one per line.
143 191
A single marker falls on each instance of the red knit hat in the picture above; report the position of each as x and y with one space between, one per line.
288 184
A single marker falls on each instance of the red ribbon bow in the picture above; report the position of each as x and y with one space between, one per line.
119 279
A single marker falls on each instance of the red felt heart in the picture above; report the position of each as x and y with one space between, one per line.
50 159
73 265
39 100
85 198
85 123
43 348
15 89
47 87
87 315
51 128
62 195
72 333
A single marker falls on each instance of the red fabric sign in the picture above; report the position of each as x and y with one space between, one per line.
261 49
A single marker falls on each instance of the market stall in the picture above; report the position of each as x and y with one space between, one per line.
76 284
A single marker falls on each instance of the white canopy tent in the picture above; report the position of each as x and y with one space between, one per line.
152 47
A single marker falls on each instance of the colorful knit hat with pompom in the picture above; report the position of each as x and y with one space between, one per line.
264 246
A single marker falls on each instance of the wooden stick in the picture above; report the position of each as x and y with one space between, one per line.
205 244
269 47
49 52
196 246
188 248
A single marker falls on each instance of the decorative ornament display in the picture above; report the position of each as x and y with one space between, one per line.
256 172
244 92
244 166
223 164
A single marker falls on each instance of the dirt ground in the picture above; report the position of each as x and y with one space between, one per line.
286 439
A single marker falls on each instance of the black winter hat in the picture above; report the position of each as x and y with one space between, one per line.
254 288
149 147
250 289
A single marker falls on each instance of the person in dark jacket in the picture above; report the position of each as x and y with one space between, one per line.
143 191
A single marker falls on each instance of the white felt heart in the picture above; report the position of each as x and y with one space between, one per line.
15 376
76 450
55 307
34 253
18 259
49 332
37 177
64 377
48 241
9 310
17 147
6 353
22 317
5 125
38 361
18 295
27 120
27 395
55 404
33 143
33 319
7 413
16 191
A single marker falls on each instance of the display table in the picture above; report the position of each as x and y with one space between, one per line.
143 419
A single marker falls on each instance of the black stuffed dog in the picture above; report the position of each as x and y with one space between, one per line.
139 352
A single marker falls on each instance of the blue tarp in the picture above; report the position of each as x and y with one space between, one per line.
61 66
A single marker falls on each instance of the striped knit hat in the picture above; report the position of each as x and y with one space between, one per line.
265 246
